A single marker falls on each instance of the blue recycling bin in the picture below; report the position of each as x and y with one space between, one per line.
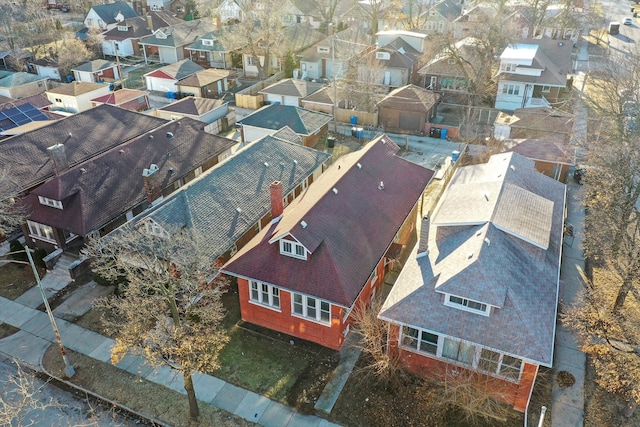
455 155
359 133
354 120
443 133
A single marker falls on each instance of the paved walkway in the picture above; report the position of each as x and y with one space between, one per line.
36 335
567 403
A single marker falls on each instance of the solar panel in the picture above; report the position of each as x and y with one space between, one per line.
18 116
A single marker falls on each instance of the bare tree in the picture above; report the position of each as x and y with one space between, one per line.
12 214
383 365
18 399
71 52
170 311
414 15
95 37
327 10
260 35
611 339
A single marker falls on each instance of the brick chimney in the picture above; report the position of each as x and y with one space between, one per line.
150 22
423 244
330 29
152 185
277 205
58 158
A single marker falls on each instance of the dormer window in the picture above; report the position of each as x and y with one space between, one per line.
467 305
292 249
154 229
123 28
50 202
207 42
161 35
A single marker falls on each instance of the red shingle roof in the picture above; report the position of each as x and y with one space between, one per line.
347 232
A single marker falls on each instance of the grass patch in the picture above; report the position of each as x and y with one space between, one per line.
136 393
15 280
265 362
135 78
92 320
7 330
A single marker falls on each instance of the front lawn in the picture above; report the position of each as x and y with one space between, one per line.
278 366
15 280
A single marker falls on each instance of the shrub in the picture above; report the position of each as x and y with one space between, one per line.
18 251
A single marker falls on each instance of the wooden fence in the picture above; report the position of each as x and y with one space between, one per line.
249 96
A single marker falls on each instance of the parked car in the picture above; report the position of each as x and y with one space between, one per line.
628 21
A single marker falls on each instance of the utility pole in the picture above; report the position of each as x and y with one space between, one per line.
333 70
68 368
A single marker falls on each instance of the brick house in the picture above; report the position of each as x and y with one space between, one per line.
96 196
480 290
230 204
328 251
84 135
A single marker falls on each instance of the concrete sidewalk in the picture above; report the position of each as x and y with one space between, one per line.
36 335
567 403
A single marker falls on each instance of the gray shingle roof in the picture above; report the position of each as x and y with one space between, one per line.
108 185
178 70
193 105
483 259
277 116
210 203
293 87
108 12
180 34
19 79
95 65
84 135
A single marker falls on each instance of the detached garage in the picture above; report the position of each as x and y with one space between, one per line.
408 108
165 79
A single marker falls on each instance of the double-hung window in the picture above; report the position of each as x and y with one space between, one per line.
419 340
460 352
264 294
501 364
311 308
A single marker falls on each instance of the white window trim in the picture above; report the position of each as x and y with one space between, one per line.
508 67
50 202
476 356
546 89
71 237
374 277
511 87
304 315
323 49
154 229
294 246
465 307
39 231
207 42
271 292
